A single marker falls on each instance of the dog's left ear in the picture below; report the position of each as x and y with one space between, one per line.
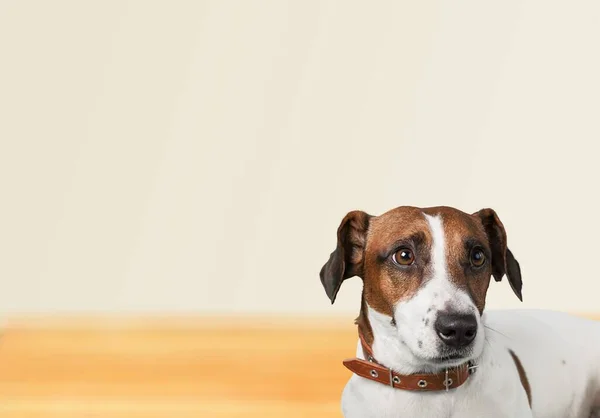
503 261
348 257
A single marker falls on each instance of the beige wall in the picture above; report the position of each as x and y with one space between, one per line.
198 156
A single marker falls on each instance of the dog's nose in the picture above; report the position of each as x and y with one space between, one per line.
456 330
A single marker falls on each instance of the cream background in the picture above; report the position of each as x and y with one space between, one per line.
198 156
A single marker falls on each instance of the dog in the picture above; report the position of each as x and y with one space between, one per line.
426 346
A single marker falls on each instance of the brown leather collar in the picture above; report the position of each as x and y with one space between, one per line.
372 370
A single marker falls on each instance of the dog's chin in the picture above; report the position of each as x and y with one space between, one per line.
444 357
448 360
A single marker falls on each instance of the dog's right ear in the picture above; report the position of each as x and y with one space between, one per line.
348 257
503 260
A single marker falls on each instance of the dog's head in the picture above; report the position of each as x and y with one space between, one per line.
427 271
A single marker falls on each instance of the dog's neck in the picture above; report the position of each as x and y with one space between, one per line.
380 332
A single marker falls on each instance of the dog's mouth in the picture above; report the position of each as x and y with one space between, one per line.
447 358
450 359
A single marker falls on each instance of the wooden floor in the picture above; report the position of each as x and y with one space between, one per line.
133 368
168 367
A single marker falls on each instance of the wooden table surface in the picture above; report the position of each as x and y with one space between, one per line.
150 368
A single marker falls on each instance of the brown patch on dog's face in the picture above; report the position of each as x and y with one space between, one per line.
387 283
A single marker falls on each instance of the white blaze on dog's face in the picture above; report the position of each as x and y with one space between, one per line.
426 273
442 292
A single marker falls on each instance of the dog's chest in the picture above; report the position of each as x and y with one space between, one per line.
365 399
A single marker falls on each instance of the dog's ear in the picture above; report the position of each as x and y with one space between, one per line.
503 261
348 257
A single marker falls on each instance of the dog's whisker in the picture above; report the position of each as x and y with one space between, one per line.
492 329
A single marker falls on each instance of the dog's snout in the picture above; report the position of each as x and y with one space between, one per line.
456 330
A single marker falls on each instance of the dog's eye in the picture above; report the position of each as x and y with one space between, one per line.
477 257
404 257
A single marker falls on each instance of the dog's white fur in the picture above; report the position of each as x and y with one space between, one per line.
560 354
